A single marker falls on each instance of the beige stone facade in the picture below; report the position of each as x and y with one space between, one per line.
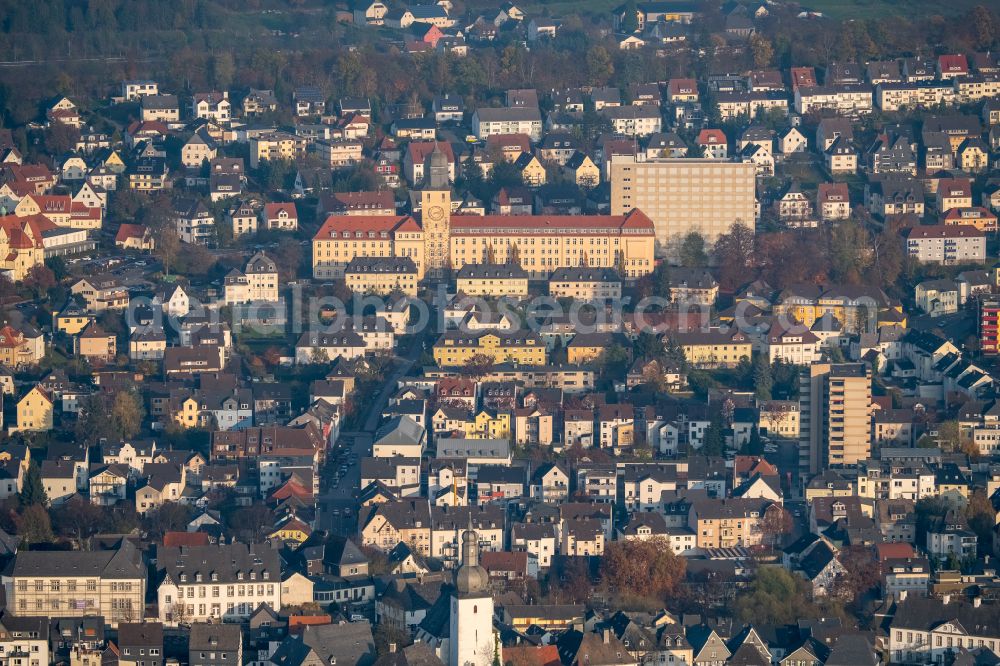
684 195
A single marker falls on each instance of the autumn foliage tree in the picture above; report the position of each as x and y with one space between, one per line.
643 568
478 365
861 572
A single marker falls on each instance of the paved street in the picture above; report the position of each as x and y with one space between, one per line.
338 507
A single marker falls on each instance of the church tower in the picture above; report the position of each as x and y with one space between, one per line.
470 642
435 211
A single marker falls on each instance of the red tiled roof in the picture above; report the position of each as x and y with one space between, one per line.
27 172
147 127
297 622
803 76
750 465
126 231
833 192
522 141
953 63
177 539
78 211
25 232
715 136
682 86
271 210
10 338
892 551
366 223
419 150
290 488
577 224
359 200
465 387
944 231
505 561
975 212
954 187
52 203
531 655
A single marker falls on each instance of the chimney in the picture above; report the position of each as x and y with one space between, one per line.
946 599
977 602
607 636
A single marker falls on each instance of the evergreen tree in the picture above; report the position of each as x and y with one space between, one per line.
713 438
753 446
33 490
762 379
630 18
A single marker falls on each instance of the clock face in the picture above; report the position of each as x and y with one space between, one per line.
435 213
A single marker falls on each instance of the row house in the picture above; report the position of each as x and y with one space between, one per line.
733 105
276 146
641 120
891 97
882 480
847 100
729 523
339 154
975 88
946 244
508 120
929 630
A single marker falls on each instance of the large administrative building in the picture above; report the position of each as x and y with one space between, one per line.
682 195
538 243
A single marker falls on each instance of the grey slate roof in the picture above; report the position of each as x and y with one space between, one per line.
350 643
229 561
121 563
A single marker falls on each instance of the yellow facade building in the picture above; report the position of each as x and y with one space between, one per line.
456 348
96 344
489 425
381 275
344 237
72 320
276 146
714 348
492 280
850 305
531 170
543 243
537 243
34 411
21 348
21 244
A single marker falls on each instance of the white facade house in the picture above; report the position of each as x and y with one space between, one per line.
222 581
946 244
487 122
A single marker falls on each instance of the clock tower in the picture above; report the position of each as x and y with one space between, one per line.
435 211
